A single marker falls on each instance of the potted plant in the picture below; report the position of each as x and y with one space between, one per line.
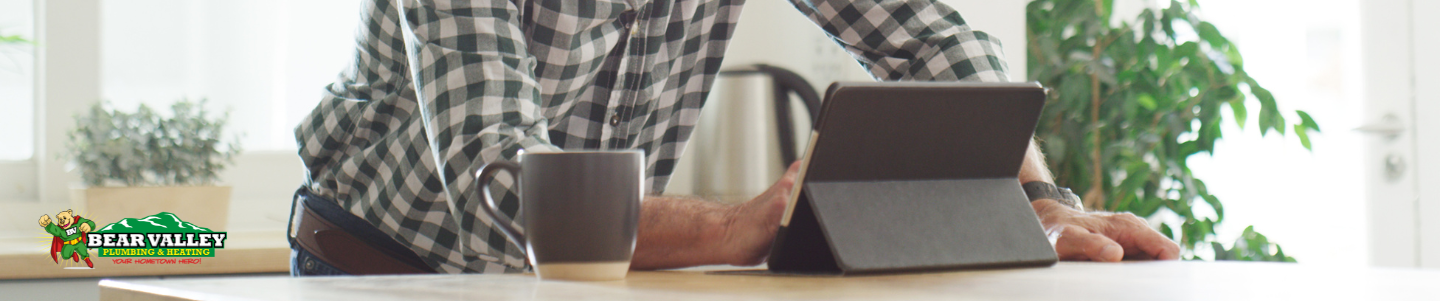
141 163
1136 97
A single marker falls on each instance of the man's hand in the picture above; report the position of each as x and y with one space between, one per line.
44 220
1102 236
751 226
678 232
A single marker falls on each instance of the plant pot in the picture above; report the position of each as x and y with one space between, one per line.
205 206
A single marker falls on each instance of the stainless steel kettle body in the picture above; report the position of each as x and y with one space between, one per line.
749 131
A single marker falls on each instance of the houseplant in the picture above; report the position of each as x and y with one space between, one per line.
139 163
11 40
1134 99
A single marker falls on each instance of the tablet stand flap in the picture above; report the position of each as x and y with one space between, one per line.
887 226
801 248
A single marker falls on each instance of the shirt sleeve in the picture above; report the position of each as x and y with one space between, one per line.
476 85
54 229
919 40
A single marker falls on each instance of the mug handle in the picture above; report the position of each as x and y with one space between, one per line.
500 222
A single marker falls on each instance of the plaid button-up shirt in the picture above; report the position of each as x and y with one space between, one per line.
450 85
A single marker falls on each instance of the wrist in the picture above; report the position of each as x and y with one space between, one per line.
1051 211
720 230
728 231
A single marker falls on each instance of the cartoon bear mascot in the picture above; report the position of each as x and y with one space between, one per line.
69 230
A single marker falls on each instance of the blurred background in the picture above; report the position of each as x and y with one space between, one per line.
1356 197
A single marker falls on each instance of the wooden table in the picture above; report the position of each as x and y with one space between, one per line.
246 252
1066 281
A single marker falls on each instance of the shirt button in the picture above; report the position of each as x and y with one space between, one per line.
628 18
615 120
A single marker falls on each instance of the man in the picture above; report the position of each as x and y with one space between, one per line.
440 90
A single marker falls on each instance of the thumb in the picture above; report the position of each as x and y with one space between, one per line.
1076 243
787 180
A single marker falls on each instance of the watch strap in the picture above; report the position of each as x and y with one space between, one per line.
1037 190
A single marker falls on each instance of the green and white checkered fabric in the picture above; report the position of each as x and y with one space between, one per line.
452 85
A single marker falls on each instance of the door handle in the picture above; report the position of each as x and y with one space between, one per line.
1389 127
1394 167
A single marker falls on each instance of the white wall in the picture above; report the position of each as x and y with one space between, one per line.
773 32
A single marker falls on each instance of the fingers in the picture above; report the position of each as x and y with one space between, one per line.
791 173
1141 241
782 187
1078 243
1149 244
1110 237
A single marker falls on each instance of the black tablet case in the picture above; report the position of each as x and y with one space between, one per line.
916 176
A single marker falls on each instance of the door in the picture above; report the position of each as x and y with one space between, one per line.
1403 150
1426 38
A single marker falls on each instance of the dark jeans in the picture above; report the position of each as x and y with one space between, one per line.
302 263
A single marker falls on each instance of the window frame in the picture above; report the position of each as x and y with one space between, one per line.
67 81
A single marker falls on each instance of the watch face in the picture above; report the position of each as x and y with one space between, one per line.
1070 198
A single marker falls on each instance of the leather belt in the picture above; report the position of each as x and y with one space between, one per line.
348 253
73 241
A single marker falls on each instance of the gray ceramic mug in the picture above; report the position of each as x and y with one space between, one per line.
580 210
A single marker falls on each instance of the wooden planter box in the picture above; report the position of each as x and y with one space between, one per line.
205 206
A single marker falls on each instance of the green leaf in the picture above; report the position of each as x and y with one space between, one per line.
1211 35
1237 108
1220 252
1304 136
1306 121
1233 54
1188 148
1268 112
1188 49
1146 101
13 39
1106 7
1215 204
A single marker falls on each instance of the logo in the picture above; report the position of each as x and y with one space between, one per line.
69 232
153 238
161 235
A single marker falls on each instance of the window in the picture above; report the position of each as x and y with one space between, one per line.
1311 203
17 96
265 61
17 69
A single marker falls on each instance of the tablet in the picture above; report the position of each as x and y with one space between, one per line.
914 176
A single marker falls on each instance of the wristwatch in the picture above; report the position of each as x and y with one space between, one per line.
1041 190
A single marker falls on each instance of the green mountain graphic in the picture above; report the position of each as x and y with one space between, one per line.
163 222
